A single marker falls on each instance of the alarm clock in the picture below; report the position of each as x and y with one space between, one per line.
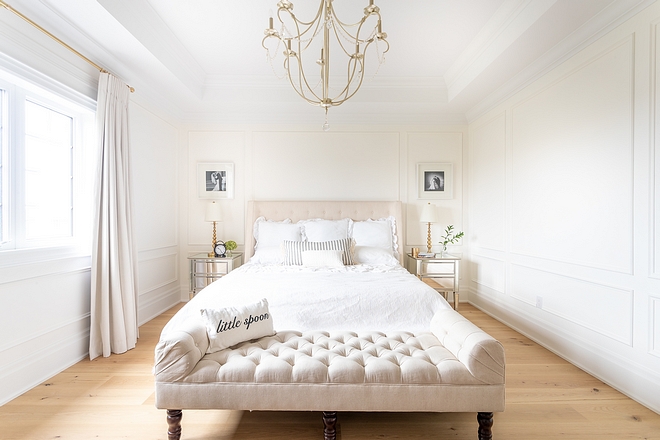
220 249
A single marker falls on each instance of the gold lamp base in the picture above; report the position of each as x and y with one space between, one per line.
428 239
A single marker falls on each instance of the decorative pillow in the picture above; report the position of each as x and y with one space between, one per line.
232 325
326 258
325 230
374 233
293 250
374 256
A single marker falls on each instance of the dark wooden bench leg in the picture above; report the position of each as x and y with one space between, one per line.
485 420
329 425
174 417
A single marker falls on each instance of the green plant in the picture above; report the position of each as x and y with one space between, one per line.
230 245
450 237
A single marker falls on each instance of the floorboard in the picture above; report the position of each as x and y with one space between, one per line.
113 398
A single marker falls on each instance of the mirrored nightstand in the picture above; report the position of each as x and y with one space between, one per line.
439 272
204 269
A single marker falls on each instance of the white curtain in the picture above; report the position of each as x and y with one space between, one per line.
114 276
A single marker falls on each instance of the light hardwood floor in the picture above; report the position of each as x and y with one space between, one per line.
113 398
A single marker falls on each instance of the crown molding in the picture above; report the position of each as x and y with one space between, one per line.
510 21
602 23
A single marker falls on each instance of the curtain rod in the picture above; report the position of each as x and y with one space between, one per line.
101 69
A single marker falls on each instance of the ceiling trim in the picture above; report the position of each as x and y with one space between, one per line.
605 21
140 19
510 21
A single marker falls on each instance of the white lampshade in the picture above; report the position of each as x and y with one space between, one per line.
213 212
429 214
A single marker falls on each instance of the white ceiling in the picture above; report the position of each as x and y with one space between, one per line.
202 60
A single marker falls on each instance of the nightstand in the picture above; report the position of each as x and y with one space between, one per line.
440 272
204 269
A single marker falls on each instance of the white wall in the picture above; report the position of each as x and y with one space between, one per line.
305 163
564 212
44 318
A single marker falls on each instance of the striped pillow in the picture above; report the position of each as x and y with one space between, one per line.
293 250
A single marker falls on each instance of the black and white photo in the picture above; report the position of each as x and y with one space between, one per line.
215 180
435 181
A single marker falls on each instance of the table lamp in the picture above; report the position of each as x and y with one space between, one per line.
429 215
213 214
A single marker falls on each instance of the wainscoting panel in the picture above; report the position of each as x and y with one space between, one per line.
489 272
600 308
47 329
157 272
572 197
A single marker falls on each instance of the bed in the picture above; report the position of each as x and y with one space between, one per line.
323 317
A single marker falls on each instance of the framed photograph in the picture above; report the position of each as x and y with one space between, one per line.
435 181
215 180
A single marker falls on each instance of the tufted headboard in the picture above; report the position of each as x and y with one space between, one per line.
329 210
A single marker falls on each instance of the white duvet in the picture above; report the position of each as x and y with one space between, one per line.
354 298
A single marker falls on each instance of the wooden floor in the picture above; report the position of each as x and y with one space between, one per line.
113 398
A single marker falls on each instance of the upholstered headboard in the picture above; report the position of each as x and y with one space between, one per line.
329 210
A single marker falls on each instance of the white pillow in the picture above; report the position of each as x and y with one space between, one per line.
325 230
325 258
374 256
268 233
269 236
232 325
374 233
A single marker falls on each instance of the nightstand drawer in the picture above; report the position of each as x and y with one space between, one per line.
439 268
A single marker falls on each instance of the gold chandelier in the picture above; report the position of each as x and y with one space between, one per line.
353 40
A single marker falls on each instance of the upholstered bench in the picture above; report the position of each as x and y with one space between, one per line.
456 367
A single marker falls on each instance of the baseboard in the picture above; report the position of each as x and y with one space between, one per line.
158 305
36 368
632 379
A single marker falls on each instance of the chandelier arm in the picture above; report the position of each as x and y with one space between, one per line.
293 16
340 42
332 8
301 91
356 89
350 75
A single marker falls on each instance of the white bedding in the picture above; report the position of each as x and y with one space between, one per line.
354 298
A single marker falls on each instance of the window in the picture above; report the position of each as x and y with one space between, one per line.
45 189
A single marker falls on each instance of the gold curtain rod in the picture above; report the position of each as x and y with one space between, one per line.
101 69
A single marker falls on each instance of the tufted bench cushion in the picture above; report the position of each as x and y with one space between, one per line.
347 371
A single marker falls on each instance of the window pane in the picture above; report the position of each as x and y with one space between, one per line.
48 173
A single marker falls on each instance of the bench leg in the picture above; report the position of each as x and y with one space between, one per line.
485 420
329 425
174 417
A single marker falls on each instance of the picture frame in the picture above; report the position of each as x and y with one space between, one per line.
215 180
435 181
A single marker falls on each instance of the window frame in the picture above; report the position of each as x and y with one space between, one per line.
16 248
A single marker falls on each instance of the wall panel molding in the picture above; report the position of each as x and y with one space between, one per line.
654 326
601 308
554 133
494 277
157 272
654 182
